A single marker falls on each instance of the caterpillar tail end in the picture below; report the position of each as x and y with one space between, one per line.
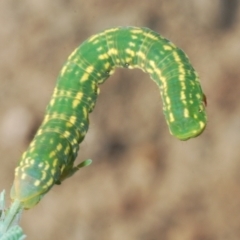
23 193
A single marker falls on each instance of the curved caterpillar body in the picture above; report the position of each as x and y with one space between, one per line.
50 157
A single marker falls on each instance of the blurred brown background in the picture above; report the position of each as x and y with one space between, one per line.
143 184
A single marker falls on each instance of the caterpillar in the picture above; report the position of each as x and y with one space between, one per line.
50 156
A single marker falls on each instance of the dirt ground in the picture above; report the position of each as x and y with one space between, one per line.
143 184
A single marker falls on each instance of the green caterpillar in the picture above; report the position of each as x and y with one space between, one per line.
50 157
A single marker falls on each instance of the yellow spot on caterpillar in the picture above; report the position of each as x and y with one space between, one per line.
181 69
52 102
132 44
183 85
202 125
53 171
103 56
31 149
173 45
85 112
127 60
198 96
44 187
167 47
111 30
16 171
164 83
111 72
73 54
32 161
44 175
99 49
92 38
182 95
150 35
171 117
136 31
76 102
141 55
36 183
55 162
117 60
24 154
98 90
96 41
176 57
84 77
149 70
113 51
46 166
110 42
46 118
130 52
63 70
181 77
79 96
61 92
66 134
74 141
59 147
72 120
168 100
184 102
186 113
62 168
23 176
152 63
50 182
158 72
107 65
52 154
66 151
